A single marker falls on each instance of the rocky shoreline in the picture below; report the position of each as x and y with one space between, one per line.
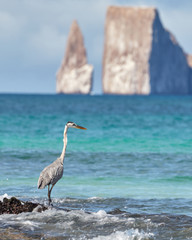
16 206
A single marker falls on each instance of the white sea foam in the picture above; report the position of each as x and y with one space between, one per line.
131 234
59 221
63 200
95 198
4 196
100 214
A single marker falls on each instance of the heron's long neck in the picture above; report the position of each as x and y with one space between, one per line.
64 144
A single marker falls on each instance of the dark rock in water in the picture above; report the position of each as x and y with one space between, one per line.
15 206
116 211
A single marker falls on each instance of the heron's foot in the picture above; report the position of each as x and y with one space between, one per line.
50 202
50 206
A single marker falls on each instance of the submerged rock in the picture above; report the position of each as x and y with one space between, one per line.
15 206
15 234
141 56
75 75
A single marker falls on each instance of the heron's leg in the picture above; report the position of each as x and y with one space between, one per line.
51 188
49 193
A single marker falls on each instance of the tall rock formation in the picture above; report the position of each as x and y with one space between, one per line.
75 75
140 56
189 59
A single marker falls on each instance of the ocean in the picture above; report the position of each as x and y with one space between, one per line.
128 176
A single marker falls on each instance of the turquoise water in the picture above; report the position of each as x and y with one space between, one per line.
136 154
134 146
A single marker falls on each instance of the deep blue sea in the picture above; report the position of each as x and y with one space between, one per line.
135 158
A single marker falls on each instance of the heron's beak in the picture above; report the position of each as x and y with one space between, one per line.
79 127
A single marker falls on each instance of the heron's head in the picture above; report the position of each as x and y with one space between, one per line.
74 125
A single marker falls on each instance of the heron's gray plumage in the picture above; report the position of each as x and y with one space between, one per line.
53 172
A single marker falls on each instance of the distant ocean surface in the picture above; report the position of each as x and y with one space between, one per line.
129 176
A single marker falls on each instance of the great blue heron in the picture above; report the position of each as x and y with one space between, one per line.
53 172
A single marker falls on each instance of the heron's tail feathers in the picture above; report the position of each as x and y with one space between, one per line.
41 184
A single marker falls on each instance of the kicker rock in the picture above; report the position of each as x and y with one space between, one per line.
140 56
189 59
75 75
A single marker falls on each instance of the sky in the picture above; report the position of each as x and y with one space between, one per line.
33 35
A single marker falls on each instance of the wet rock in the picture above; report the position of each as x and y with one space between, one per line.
15 206
14 234
116 211
39 208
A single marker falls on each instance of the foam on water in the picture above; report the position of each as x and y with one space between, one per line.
55 222
4 196
131 234
79 224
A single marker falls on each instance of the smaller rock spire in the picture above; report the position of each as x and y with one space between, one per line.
75 75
